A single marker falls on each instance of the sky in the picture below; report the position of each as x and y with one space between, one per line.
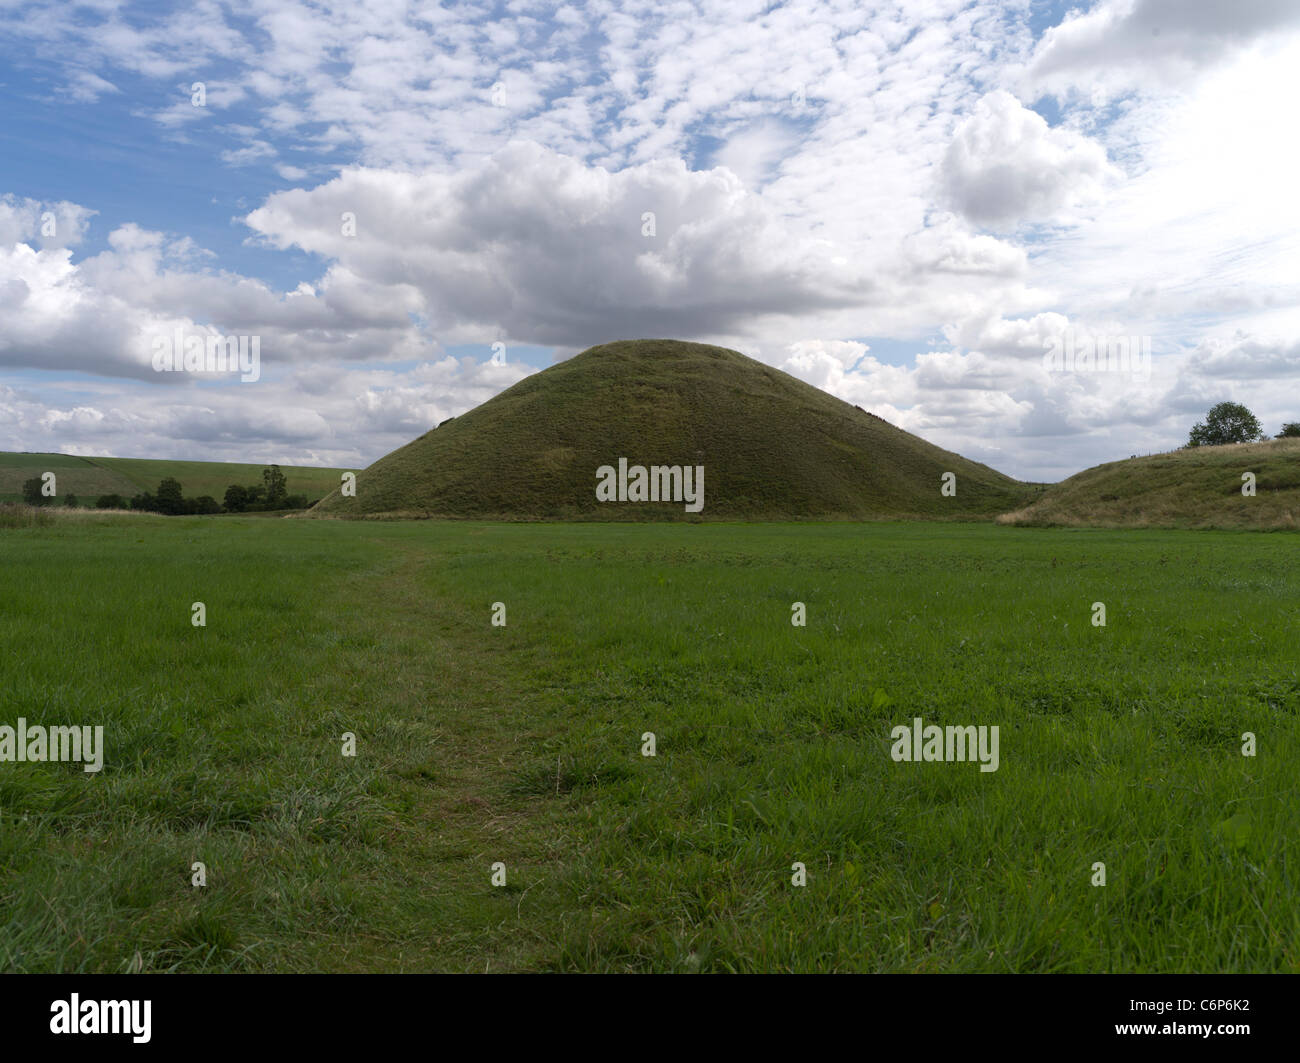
920 207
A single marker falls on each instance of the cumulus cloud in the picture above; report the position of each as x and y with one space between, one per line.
847 371
60 224
755 152
103 314
1247 357
946 247
1005 165
1123 44
1018 338
345 418
552 251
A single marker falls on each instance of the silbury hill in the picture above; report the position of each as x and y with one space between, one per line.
771 448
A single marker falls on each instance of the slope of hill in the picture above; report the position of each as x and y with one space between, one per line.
1198 488
771 446
88 478
73 476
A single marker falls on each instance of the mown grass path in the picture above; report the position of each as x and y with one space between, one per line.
224 746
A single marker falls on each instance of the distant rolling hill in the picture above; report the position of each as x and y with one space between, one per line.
88 478
772 448
1197 488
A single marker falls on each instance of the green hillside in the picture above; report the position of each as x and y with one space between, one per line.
213 477
772 447
1197 488
73 475
88 478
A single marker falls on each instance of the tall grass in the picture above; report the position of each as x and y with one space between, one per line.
21 515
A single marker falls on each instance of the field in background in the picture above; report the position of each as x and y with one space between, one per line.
478 744
88 478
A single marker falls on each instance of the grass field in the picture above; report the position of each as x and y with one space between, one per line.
522 745
88 478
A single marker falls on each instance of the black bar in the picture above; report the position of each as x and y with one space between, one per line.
673 1014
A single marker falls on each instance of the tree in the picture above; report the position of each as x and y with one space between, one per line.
72 502
170 497
276 487
1289 430
110 502
236 498
205 504
32 492
1228 422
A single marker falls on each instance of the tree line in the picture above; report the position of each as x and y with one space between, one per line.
271 494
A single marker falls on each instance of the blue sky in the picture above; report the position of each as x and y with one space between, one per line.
905 204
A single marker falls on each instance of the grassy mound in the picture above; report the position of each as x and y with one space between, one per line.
1198 488
772 448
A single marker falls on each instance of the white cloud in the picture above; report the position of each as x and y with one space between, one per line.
51 225
1246 357
755 153
1005 165
1120 45
481 248
345 418
87 87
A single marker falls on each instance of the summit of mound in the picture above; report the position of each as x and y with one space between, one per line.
771 447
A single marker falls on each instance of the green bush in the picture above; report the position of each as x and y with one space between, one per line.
32 492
